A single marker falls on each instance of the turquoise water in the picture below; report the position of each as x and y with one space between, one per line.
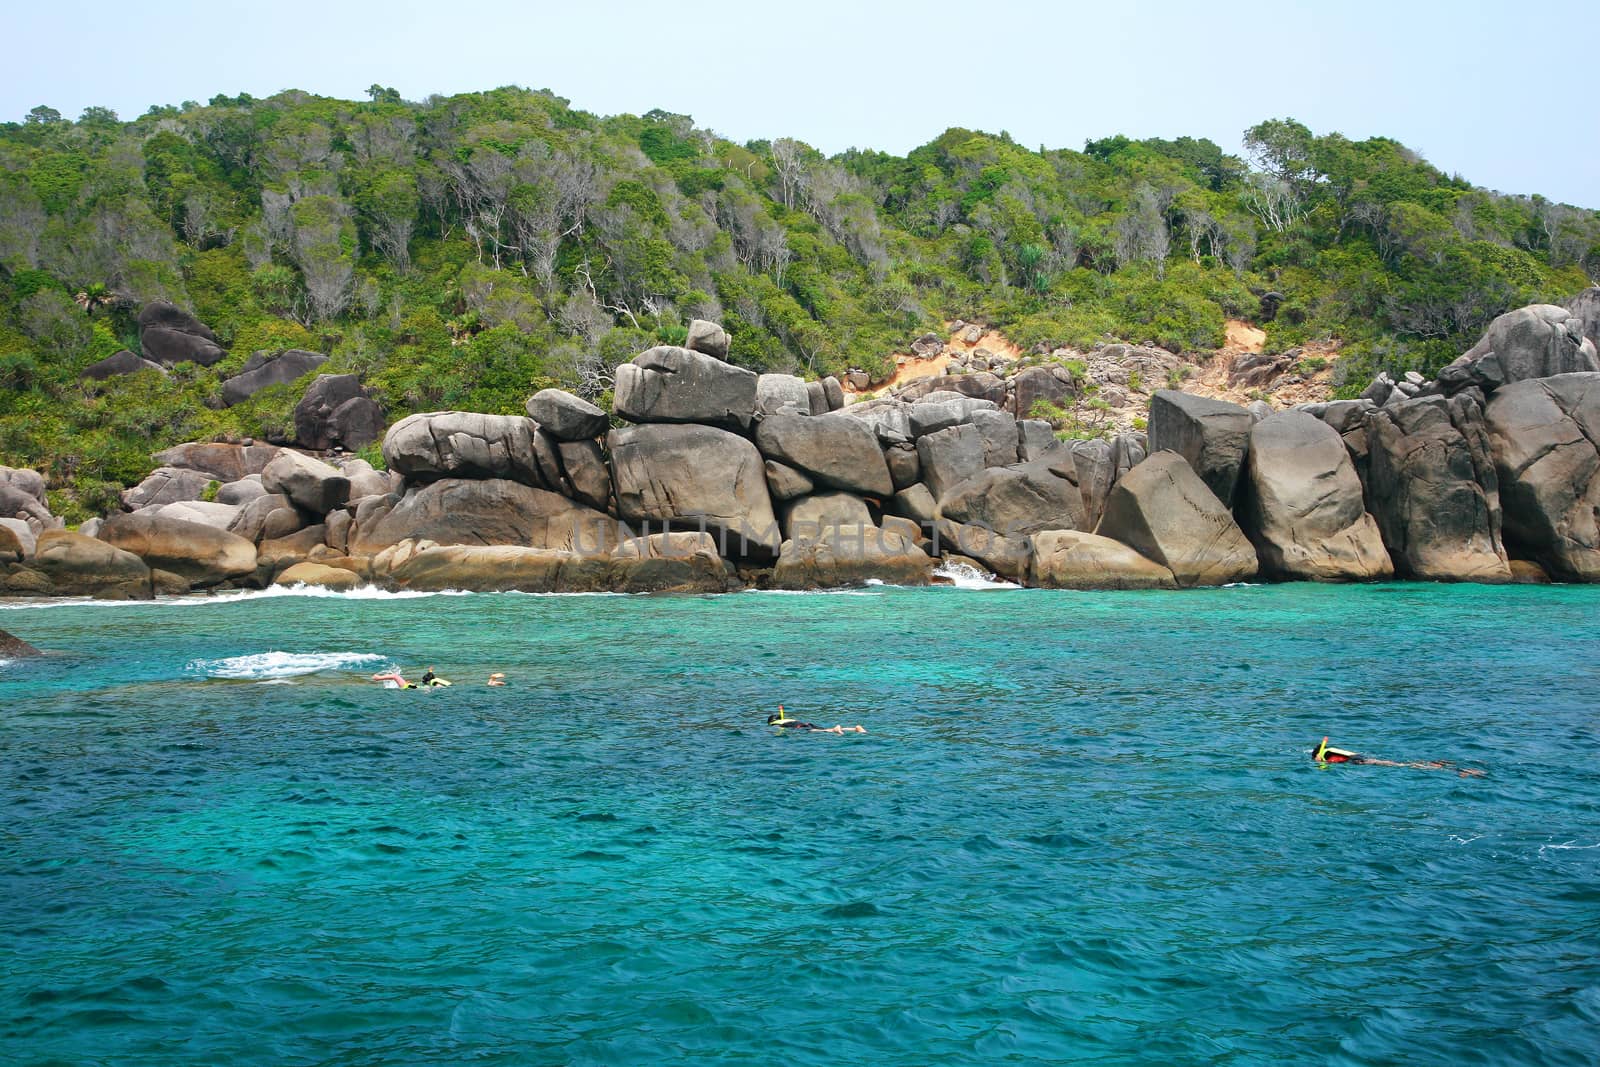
1082 828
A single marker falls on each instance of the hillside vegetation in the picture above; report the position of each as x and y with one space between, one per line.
464 251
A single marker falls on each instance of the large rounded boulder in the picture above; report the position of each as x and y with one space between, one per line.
169 335
465 444
834 449
312 485
1545 436
1531 342
1212 435
1162 510
337 412
566 417
670 384
266 369
491 511
1303 504
1072 559
695 478
1431 484
203 555
1018 500
851 555
73 564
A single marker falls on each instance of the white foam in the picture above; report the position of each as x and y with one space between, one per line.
262 666
966 576
366 592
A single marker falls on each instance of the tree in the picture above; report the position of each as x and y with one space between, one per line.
388 206
43 116
382 94
324 247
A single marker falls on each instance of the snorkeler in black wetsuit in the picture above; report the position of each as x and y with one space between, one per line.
781 720
1327 754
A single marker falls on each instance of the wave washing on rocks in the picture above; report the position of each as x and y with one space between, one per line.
720 479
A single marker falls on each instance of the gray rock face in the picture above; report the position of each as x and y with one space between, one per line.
707 337
668 384
588 476
818 396
999 432
695 477
1070 559
313 486
1545 437
1017 501
336 412
15 647
27 482
833 392
17 540
1379 390
786 483
266 518
851 555
834 450
916 503
809 516
201 554
1432 487
464 444
1303 504
169 335
1585 307
217 516
670 562
266 369
1212 435
119 365
949 457
364 479
1052 384
1036 440
71 564
1009 557
1531 342
1162 510
889 418
221 461
905 466
782 393
166 485
932 415
491 511
566 417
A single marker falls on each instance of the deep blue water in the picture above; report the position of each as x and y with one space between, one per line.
1082 828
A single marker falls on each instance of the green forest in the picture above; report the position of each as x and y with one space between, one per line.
464 251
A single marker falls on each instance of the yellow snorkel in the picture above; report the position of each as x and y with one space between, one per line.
1322 751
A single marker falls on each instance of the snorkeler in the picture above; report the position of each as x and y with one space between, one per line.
431 680
1326 754
395 677
497 678
781 719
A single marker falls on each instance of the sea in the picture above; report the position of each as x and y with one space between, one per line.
1079 828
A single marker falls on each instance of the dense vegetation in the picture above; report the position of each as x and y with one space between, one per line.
463 251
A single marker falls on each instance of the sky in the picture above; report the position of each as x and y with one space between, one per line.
1501 94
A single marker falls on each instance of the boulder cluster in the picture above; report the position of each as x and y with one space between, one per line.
708 477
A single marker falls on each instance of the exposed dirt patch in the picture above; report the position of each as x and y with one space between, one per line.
911 366
1243 337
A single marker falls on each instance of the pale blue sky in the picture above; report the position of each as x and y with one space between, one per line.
1501 93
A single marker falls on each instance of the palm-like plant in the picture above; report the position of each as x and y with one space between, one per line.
93 297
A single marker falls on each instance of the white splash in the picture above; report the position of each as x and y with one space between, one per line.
263 666
966 576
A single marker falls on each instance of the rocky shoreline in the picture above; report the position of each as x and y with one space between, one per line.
707 477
